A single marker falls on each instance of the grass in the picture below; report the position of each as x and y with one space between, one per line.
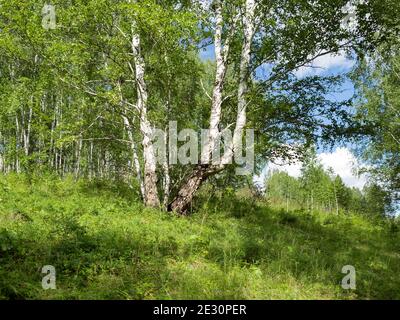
105 245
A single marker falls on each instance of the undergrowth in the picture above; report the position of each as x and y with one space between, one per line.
105 245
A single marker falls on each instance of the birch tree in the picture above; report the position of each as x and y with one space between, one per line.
280 42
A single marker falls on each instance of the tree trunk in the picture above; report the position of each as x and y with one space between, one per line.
135 158
221 57
17 144
27 132
91 161
150 176
185 195
167 178
336 199
249 30
78 152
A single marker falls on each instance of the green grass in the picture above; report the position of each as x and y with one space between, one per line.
105 245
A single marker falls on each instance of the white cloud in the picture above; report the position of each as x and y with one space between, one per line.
345 164
293 169
327 63
342 161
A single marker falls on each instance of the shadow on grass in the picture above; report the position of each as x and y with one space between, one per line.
312 248
101 266
231 248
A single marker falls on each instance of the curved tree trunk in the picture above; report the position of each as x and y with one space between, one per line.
186 193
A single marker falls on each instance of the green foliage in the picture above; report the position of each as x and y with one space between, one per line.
105 246
378 110
322 190
62 91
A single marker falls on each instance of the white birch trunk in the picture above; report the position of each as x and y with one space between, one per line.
249 30
27 133
16 144
167 178
217 99
91 161
135 158
78 156
150 176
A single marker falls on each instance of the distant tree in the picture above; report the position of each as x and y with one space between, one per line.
378 109
377 201
283 189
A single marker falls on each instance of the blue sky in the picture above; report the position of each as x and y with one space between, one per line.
341 158
325 65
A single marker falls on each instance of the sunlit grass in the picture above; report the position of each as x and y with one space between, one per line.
105 245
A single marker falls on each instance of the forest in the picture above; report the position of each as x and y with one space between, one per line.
132 133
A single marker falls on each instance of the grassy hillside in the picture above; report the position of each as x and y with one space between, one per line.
105 245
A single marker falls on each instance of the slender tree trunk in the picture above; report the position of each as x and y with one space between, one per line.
91 160
78 153
17 141
221 66
167 178
53 151
249 30
135 158
27 133
336 199
2 156
150 176
61 167
165 164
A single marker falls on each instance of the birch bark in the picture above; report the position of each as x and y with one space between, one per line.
150 176
135 158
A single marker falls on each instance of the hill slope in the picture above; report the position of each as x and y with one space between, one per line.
105 245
